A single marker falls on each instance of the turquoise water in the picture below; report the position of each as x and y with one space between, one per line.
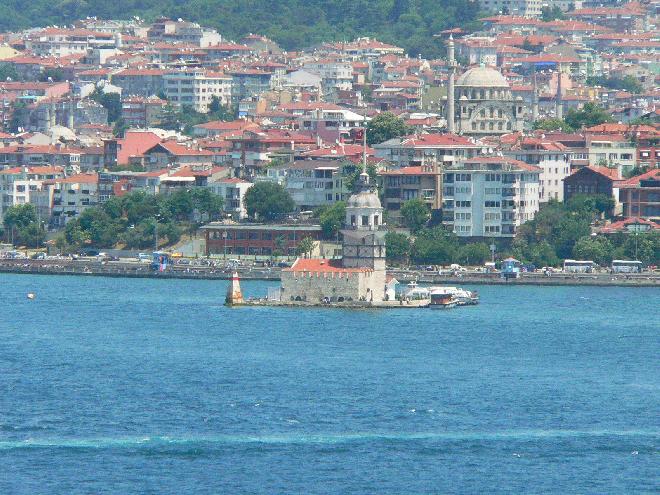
152 386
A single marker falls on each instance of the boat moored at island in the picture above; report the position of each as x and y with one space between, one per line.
442 300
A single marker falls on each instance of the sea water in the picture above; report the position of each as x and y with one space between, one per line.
116 386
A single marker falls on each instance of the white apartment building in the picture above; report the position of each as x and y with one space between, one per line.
58 42
232 190
72 196
196 88
426 149
335 75
19 185
490 196
554 160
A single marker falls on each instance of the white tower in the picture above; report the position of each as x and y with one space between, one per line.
450 86
364 233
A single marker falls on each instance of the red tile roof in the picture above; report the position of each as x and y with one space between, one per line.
634 181
622 225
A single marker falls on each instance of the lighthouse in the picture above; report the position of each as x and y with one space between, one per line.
234 294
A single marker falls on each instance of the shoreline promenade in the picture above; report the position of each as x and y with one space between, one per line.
137 270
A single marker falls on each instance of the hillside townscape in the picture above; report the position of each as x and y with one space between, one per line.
507 129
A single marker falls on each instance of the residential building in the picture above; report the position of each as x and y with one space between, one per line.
640 195
72 196
594 180
489 196
197 88
232 190
422 149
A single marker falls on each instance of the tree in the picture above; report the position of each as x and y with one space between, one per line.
20 216
626 83
594 248
415 214
397 247
120 128
32 235
351 173
551 14
8 72
305 246
268 200
110 101
385 126
590 115
473 254
552 125
52 74
543 254
435 246
332 219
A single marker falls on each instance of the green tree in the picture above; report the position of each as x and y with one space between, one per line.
305 246
594 248
385 126
8 72
110 101
332 219
415 214
52 74
120 128
32 235
552 125
551 14
20 216
268 201
475 253
435 246
590 115
543 254
397 247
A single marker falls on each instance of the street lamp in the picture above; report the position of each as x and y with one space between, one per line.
156 218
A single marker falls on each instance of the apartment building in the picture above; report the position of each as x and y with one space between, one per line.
490 196
417 150
552 158
197 88
72 196
232 190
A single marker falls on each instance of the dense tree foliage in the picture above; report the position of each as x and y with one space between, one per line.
415 214
552 125
137 218
589 115
22 225
386 126
110 101
397 247
268 201
292 23
184 118
626 83
332 219
551 13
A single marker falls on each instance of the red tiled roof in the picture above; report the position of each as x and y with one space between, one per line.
79 179
622 225
315 265
135 143
610 173
634 181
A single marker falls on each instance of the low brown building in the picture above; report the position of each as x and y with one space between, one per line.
256 239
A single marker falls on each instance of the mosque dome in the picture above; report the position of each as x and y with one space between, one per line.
364 199
482 77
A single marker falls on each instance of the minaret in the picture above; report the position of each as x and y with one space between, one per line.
535 97
72 109
450 85
559 106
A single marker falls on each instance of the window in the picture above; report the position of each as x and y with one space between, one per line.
365 220
253 236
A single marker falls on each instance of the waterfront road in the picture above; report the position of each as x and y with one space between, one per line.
204 270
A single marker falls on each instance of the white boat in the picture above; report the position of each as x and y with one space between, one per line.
462 297
413 292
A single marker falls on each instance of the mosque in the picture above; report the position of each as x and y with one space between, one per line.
480 102
360 275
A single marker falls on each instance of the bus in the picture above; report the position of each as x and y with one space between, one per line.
626 266
579 266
